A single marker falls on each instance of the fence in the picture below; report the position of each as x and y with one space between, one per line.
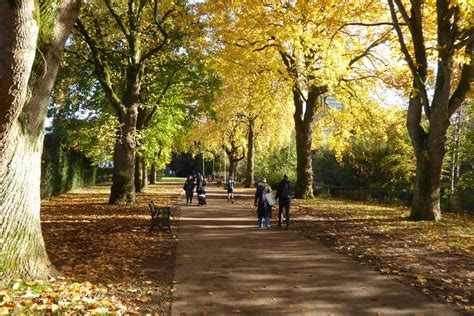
384 196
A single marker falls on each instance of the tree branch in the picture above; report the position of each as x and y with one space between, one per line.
102 71
117 18
418 79
164 33
464 85
372 24
368 49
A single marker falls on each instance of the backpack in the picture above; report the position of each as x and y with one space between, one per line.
286 190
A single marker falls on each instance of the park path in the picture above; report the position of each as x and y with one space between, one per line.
226 265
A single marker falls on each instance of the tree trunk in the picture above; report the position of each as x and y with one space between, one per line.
144 174
304 167
138 175
430 149
426 199
153 174
232 168
17 54
23 253
123 189
250 155
304 123
23 250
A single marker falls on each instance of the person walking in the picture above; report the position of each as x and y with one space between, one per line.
283 195
201 184
189 189
264 207
230 190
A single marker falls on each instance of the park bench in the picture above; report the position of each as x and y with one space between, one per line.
160 216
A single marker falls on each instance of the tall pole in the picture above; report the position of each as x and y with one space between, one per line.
203 170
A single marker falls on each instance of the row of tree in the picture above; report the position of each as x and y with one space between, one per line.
144 71
316 49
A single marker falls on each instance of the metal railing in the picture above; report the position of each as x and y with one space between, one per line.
384 196
369 194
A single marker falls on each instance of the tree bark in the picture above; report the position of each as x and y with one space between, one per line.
141 176
17 54
138 175
144 174
23 253
304 118
250 154
426 199
153 174
123 189
23 249
304 167
232 168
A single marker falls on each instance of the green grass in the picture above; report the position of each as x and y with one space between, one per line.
172 179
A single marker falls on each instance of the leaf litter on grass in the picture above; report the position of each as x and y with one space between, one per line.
107 259
436 258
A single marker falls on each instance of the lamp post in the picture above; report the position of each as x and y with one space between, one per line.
225 171
203 169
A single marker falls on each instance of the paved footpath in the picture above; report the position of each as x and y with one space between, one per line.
227 266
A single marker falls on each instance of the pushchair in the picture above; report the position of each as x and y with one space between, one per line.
202 197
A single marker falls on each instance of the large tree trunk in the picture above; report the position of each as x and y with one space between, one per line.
123 188
17 54
249 181
23 253
304 123
426 199
430 149
23 250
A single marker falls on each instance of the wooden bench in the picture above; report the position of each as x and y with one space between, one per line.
160 216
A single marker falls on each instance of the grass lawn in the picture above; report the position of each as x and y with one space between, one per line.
172 180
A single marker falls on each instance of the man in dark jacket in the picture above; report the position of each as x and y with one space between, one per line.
264 210
189 188
283 195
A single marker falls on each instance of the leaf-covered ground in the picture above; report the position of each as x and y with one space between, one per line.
436 258
107 259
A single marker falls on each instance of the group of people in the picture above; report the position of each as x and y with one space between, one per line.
197 181
264 201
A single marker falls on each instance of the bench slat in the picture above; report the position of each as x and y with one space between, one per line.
160 217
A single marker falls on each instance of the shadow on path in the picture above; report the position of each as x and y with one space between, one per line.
225 265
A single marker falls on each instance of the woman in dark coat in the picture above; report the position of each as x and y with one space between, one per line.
189 188
263 208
